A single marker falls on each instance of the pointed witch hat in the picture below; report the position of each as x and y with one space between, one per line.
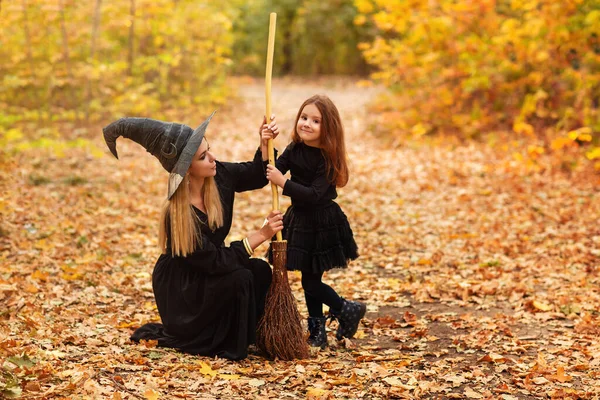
173 144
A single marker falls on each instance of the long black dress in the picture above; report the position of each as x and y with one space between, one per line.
210 301
318 234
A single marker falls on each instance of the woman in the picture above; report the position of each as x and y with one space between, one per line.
209 296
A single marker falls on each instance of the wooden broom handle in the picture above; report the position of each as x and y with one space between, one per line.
268 75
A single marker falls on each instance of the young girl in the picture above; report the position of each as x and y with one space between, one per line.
318 235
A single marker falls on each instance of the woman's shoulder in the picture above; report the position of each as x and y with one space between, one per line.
224 175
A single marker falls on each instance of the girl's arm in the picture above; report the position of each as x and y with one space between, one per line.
307 194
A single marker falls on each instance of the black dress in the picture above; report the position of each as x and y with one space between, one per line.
317 231
210 301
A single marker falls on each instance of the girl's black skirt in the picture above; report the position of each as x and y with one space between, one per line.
318 239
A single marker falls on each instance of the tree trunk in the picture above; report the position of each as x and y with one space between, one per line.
131 36
95 29
28 47
67 59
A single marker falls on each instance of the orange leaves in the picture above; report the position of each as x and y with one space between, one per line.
151 395
560 376
537 306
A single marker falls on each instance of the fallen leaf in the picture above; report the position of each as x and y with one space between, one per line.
317 394
206 369
472 394
151 395
560 376
256 382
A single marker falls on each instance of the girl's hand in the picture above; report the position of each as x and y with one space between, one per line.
272 225
268 131
275 176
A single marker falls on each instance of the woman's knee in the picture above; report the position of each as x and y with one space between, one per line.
261 271
241 278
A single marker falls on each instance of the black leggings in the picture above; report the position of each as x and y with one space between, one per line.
317 293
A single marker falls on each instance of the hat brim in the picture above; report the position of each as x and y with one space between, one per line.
187 154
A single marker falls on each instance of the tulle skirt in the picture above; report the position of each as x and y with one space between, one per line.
318 238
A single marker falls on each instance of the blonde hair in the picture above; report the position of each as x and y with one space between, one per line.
184 224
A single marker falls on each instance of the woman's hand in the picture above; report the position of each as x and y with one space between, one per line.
273 224
274 175
268 131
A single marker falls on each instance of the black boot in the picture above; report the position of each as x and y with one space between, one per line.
348 318
318 336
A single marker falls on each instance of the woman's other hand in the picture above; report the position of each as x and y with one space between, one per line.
268 131
273 224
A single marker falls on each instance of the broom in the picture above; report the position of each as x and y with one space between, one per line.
280 334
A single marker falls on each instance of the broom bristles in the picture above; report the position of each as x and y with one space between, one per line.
280 334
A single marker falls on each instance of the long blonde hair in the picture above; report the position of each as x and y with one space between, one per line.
184 223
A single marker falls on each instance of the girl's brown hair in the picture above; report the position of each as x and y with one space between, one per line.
183 221
332 141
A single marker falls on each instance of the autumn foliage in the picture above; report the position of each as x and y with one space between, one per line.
66 60
474 67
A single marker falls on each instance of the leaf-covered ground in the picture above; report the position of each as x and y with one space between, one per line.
481 276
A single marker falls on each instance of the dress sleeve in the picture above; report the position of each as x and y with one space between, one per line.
213 260
282 163
309 194
249 175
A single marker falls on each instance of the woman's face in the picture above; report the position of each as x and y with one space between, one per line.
203 164
309 125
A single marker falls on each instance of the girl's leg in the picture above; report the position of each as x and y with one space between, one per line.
318 293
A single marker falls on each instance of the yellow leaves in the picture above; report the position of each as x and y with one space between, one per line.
420 130
523 128
39 275
523 4
583 134
206 369
151 395
593 154
128 324
536 306
363 83
70 273
229 377
364 6
360 20
318 394
560 143
534 151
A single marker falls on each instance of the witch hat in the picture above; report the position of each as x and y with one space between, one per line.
173 144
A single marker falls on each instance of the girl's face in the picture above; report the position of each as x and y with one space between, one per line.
309 125
203 164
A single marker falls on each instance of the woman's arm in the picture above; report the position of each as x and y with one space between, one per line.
250 175
213 260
